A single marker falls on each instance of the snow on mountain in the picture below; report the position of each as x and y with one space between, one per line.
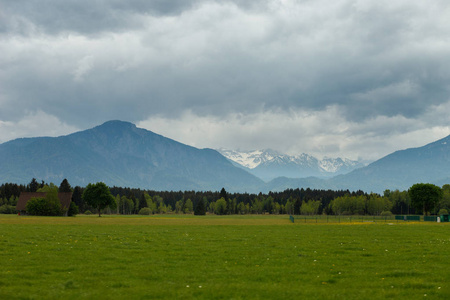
333 165
268 164
248 159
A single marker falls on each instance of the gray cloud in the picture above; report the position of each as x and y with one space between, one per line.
87 62
93 17
85 17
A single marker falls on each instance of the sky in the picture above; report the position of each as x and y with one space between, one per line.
343 78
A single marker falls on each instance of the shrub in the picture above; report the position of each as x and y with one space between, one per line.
386 213
73 209
443 211
145 211
53 203
7 209
36 206
88 212
44 207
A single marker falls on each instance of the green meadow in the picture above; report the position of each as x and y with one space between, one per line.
220 257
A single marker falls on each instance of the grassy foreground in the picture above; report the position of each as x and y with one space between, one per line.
212 257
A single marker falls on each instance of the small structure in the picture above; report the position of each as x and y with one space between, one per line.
64 198
408 218
445 218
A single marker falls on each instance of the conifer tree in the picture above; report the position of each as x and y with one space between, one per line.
34 185
200 208
65 187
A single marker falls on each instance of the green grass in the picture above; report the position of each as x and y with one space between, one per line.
349 219
214 257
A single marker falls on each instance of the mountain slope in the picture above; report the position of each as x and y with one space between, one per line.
269 164
119 153
401 169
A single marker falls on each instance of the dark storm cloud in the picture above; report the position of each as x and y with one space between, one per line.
82 16
89 17
86 62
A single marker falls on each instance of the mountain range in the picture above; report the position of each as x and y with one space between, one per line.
118 153
398 170
401 169
269 164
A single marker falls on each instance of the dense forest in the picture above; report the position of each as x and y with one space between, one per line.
291 201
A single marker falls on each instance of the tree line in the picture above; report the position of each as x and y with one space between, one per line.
298 201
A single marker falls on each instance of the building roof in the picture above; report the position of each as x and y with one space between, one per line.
64 198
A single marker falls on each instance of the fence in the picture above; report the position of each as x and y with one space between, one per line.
356 219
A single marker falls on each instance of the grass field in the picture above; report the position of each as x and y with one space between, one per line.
214 257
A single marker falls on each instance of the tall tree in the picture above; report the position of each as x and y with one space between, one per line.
188 206
224 194
142 202
220 207
135 201
297 204
77 198
200 208
65 187
34 185
48 187
400 201
425 196
98 196
445 201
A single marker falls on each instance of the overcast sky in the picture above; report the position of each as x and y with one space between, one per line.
342 78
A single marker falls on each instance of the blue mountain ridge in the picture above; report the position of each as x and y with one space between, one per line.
398 170
118 153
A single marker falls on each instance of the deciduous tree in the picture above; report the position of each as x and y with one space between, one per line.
310 208
220 207
47 188
425 196
188 206
98 196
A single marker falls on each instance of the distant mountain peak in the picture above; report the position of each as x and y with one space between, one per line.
118 153
117 124
268 164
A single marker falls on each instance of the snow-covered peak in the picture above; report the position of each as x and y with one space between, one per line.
333 165
255 158
249 159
